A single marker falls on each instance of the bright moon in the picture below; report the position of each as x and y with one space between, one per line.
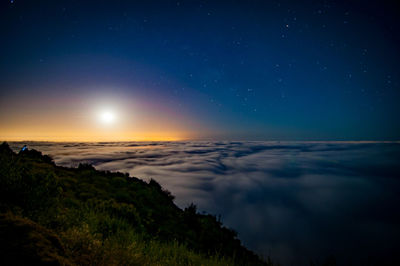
107 117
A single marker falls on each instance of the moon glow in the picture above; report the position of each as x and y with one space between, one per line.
107 117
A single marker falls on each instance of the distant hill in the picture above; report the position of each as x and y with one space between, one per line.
52 215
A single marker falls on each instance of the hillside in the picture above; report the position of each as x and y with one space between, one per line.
54 215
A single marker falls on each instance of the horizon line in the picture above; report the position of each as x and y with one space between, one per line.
204 140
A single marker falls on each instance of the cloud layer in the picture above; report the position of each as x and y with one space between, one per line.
294 201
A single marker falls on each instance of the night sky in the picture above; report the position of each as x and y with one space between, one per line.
171 70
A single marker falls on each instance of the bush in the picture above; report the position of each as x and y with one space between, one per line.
23 242
34 191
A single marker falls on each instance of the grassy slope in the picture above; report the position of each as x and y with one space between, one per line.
103 218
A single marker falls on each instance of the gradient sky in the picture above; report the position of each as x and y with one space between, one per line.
170 70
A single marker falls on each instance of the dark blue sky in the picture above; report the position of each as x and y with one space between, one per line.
315 70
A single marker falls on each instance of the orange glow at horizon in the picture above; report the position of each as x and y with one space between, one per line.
48 133
55 131
114 120
87 137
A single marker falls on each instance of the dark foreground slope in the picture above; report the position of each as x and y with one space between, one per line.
59 216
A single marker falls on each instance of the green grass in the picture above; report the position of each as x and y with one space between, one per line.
129 248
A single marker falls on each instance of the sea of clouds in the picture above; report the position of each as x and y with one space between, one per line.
293 201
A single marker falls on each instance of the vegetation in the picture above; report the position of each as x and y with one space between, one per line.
55 215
